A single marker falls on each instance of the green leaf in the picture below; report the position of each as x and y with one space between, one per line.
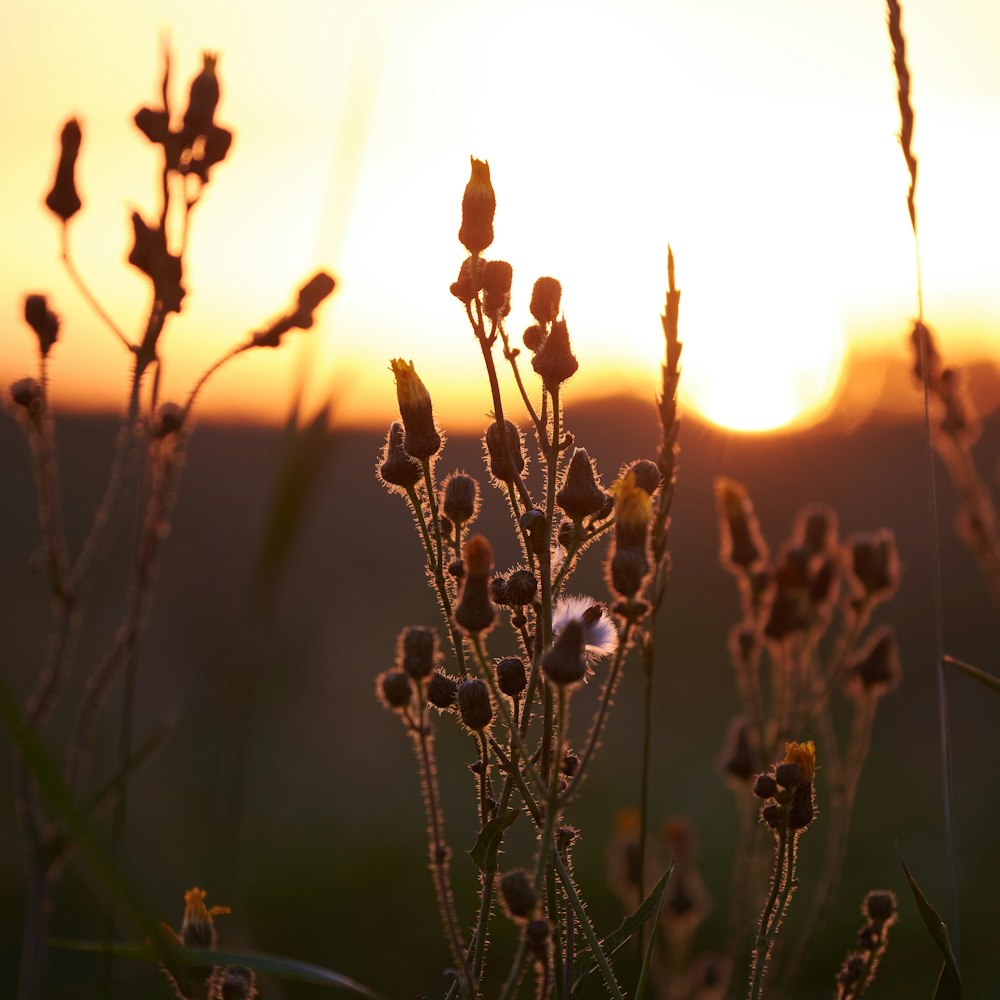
585 964
949 985
647 959
287 968
980 675
484 853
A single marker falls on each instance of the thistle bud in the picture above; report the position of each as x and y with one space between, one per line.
555 361
518 894
442 691
738 761
397 468
545 297
532 524
168 421
319 287
499 464
880 905
580 495
478 207
629 565
802 810
787 774
512 678
27 393
395 689
533 338
461 498
876 669
741 540
474 704
237 983
497 278
565 662
647 475
537 934
421 439
521 587
418 651
470 279
42 320
818 529
875 564
764 786
475 612
203 97
198 926
63 200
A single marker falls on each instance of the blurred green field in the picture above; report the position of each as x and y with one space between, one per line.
327 861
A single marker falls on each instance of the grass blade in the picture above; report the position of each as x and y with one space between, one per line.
982 676
647 959
585 964
286 968
949 985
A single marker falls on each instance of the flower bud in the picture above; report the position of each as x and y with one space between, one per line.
63 200
876 669
203 97
555 361
168 421
518 894
537 934
497 278
580 495
475 612
395 689
418 651
461 498
565 662
533 338
629 565
421 439
802 811
499 465
470 279
511 676
818 529
875 564
442 691
804 755
647 475
474 704
27 393
319 287
880 905
478 207
764 786
545 297
42 320
787 774
237 983
397 467
521 587
742 543
739 762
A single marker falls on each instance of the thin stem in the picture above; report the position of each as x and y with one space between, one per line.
762 946
81 286
212 369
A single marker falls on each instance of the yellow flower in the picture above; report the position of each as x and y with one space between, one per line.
422 439
478 207
803 754
633 507
410 390
198 927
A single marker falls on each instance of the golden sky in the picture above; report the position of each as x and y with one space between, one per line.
757 138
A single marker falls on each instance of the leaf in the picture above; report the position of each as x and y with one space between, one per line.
53 789
287 968
949 985
980 675
585 965
647 959
484 853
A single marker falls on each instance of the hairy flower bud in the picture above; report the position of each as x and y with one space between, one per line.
764 786
397 467
442 691
422 439
27 393
500 467
647 475
63 200
478 207
512 678
168 421
880 905
475 612
418 651
518 894
876 668
534 337
565 662
203 98
237 983
743 545
460 502
520 588
42 320
545 298
629 565
497 278
555 361
319 287
394 688
580 495
474 704
875 564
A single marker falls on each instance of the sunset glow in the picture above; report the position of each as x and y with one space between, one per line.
760 143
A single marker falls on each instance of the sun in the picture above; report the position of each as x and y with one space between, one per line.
759 358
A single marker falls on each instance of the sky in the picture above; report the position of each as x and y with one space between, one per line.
758 139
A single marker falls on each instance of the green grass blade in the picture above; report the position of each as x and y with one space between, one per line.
949 985
982 676
647 959
585 964
277 965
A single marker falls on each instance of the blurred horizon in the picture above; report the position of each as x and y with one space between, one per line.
760 144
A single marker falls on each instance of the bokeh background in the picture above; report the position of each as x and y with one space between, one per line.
761 143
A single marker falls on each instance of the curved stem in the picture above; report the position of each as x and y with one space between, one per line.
81 286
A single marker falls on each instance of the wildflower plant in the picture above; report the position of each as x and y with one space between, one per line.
518 709
152 439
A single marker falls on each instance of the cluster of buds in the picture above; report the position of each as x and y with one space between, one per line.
858 970
417 660
787 789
